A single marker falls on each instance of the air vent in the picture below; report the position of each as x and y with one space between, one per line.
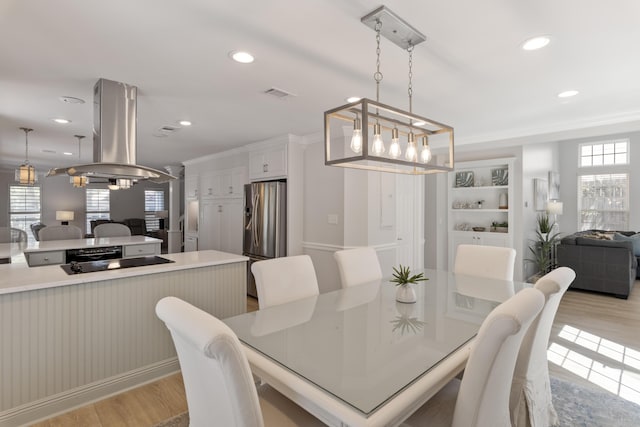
279 93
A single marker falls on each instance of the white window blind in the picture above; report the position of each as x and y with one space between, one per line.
603 201
24 208
98 205
153 203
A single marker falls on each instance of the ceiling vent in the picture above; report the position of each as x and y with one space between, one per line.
279 93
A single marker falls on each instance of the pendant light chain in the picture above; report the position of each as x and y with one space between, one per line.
378 75
410 89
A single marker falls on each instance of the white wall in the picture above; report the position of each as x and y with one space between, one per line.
568 153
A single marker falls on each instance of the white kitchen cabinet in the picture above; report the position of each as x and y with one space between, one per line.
190 242
268 163
479 194
191 183
221 225
45 258
226 183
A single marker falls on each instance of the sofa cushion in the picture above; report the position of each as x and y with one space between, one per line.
634 239
585 241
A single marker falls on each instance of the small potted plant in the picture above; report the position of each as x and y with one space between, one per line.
404 280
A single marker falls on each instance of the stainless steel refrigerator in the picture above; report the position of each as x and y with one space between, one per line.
265 224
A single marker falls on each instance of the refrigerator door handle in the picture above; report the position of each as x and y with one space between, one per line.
255 223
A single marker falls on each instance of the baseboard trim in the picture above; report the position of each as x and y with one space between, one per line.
81 396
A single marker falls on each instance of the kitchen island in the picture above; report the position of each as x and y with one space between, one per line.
58 251
67 340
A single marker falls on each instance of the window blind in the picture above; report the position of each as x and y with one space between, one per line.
24 208
153 202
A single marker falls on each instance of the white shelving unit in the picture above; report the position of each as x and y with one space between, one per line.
475 203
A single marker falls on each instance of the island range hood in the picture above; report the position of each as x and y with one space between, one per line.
114 139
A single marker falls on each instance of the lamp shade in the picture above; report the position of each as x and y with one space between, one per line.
64 215
554 207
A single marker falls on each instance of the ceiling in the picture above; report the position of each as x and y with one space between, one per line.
470 74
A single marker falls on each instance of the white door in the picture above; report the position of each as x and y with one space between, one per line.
409 221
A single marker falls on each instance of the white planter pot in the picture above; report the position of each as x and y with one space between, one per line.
406 294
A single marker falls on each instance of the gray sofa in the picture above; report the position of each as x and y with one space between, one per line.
601 265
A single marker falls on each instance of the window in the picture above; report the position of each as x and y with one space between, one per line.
603 201
605 153
98 205
153 204
24 208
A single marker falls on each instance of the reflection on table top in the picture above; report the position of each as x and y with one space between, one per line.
362 346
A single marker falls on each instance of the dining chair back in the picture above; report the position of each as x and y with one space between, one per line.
60 232
482 397
217 378
530 402
12 235
485 261
35 229
111 229
285 279
357 266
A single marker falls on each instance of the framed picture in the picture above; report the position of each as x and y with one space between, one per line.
554 185
540 195
464 179
500 176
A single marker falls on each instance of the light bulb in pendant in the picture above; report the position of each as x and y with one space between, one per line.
378 143
394 148
411 154
356 138
425 154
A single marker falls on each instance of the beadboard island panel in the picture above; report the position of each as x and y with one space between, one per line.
68 344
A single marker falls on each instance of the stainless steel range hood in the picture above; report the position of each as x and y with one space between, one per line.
114 138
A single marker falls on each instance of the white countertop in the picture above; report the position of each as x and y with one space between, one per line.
19 277
58 245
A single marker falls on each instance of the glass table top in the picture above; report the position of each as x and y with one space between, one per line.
362 346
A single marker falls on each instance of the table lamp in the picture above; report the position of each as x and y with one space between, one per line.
554 207
64 217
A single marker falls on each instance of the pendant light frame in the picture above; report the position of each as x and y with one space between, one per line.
26 173
339 122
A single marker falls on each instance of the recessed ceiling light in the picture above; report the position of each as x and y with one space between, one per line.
568 93
66 153
61 121
353 99
184 123
71 100
536 43
242 57
419 123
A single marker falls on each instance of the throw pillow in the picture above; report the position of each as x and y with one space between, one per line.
635 240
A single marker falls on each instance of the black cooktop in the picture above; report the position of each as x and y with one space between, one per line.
112 264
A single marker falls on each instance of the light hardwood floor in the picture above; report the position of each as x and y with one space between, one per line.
589 333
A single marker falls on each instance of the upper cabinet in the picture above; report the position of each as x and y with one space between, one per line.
268 163
191 186
479 210
226 183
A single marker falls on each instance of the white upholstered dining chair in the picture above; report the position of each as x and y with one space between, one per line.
60 232
357 266
285 279
217 378
111 229
530 402
481 398
485 261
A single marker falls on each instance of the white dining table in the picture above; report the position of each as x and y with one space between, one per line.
357 357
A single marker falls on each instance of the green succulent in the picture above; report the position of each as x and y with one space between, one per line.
402 276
